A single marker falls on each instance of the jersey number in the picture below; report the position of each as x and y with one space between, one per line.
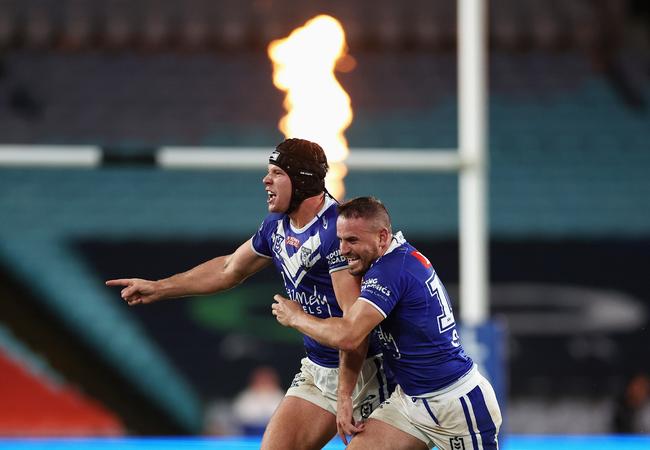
436 289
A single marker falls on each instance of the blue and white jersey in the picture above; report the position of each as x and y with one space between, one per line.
305 258
418 336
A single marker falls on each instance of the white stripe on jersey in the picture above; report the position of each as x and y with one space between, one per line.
293 265
375 306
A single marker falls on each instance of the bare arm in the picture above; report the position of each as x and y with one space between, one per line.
347 289
345 333
215 275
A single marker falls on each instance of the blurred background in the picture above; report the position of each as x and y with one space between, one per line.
569 203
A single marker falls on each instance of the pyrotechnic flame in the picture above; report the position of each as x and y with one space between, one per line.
317 107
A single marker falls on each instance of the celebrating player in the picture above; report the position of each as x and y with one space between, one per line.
299 237
441 399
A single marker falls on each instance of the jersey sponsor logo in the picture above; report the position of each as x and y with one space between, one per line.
315 303
335 257
457 443
373 283
295 267
294 242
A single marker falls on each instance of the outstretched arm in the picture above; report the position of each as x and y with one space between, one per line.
215 275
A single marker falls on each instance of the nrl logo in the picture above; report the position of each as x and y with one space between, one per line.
457 443
277 243
366 410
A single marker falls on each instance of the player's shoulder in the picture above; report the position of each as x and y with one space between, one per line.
416 264
270 221
402 257
391 263
330 210
274 217
327 218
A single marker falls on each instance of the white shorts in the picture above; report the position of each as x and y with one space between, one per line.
319 385
463 416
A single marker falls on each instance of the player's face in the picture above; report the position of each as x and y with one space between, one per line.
278 189
360 243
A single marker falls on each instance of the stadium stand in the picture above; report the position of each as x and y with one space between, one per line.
37 402
231 24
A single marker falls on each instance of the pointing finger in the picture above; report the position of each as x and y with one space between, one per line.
118 282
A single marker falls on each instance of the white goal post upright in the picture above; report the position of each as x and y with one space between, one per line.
472 112
469 160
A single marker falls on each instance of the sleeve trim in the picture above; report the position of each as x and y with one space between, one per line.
373 304
258 253
336 269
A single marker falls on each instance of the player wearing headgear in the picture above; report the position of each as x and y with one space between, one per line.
441 399
299 237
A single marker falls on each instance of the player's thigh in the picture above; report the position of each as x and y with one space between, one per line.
298 424
379 435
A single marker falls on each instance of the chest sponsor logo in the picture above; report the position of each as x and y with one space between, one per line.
294 242
313 303
373 283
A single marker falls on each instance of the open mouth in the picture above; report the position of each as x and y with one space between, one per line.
270 196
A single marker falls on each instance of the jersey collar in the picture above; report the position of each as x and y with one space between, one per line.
326 204
396 241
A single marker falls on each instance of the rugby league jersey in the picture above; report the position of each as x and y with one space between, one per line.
305 258
418 336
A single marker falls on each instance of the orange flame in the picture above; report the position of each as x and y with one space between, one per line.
317 107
